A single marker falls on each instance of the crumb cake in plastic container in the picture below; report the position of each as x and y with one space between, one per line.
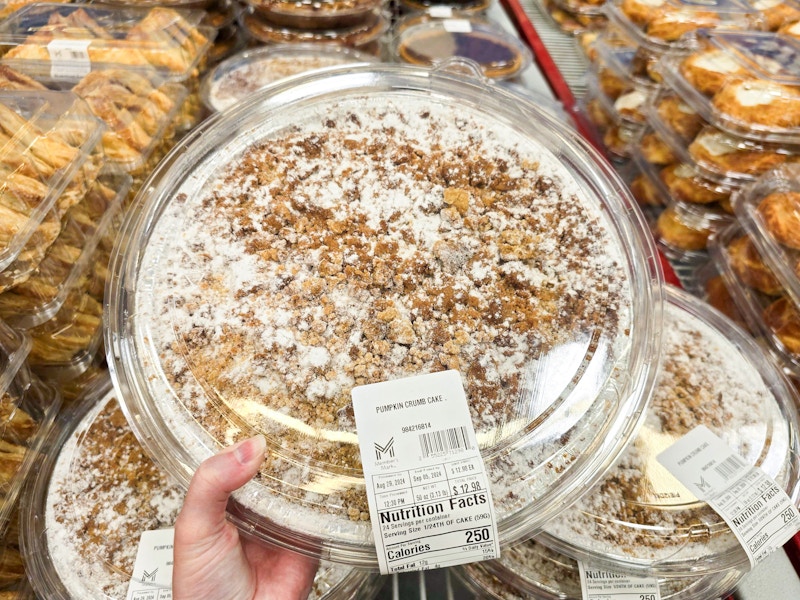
392 222
570 22
640 519
531 570
442 7
662 26
247 72
769 210
315 14
746 83
96 492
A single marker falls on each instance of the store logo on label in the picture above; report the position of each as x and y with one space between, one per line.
149 576
387 450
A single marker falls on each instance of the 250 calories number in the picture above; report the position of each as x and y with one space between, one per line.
787 515
478 535
647 597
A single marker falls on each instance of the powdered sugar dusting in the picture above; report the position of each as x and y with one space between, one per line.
372 239
640 512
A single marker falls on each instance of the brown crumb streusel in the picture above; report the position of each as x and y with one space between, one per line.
369 241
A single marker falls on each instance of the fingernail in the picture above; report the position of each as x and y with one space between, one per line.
247 450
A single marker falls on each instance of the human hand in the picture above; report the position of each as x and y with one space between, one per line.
212 560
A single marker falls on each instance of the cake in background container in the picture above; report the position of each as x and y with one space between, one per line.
446 8
758 92
365 35
769 210
568 21
531 570
499 54
774 317
445 192
75 547
640 519
315 14
242 75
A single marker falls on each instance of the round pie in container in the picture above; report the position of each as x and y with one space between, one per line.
640 519
371 224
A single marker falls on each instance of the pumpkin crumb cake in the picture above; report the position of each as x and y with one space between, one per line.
373 239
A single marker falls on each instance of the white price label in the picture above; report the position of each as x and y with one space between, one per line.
441 12
427 489
457 26
760 514
69 59
152 571
601 584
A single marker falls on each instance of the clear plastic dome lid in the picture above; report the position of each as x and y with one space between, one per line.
640 519
367 225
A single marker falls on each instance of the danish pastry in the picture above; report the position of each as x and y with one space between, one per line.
749 267
641 12
629 105
679 117
792 29
783 319
669 26
655 151
718 296
722 153
708 70
645 192
675 232
685 184
776 13
618 139
759 102
780 213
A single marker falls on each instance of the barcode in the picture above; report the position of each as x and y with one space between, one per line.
438 442
728 467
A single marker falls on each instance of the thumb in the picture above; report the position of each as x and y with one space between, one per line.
212 484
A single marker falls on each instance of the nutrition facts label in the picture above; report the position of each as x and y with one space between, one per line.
429 497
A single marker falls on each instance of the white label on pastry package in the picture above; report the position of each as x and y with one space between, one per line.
69 59
440 12
427 488
600 584
757 510
152 571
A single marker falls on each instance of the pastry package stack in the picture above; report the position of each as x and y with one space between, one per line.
574 17
138 68
28 408
760 262
96 492
359 24
427 40
640 520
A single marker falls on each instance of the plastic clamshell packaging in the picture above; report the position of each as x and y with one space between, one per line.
499 54
640 519
364 35
624 108
27 410
314 14
661 25
436 8
49 136
81 549
774 318
544 435
66 263
531 570
64 42
245 73
15 346
591 8
758 95
769 210
570 22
